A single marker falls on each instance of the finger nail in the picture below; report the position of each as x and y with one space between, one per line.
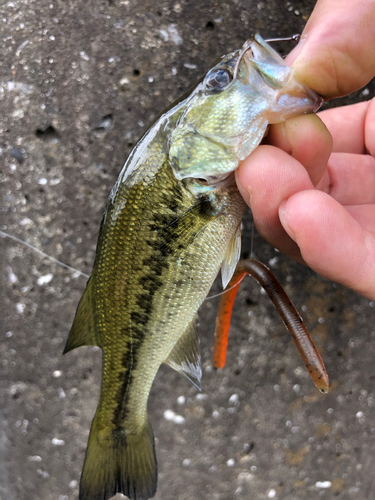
244 190
284 219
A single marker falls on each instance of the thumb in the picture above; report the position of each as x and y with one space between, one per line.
336 54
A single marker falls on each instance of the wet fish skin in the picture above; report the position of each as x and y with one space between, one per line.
172 219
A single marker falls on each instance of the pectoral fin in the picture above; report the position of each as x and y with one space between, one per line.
185 357
83 329
232 256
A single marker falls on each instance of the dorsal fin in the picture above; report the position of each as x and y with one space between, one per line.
185 356
83 329
231 258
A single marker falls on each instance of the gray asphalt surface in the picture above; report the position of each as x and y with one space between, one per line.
80 81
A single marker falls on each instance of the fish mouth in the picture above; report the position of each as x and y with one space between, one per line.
261 59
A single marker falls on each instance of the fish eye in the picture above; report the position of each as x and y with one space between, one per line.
218 79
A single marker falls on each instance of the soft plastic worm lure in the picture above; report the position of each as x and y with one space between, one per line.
285 308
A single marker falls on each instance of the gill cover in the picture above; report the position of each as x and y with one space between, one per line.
227 115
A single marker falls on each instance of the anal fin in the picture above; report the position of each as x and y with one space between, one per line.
83 330
185 356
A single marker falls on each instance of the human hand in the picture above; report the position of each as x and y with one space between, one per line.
318 207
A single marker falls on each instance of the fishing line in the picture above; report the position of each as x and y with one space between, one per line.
28 245
252 239
224 291
65 266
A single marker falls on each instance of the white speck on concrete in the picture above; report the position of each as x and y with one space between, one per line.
296 388
20 47
172 417
12 278
57 374
272 494
20 87
190 66
359 414
253 468
201 397
181 400
25 222
84 56
58 442
179 419
124 81
61 392
42 473
174 70
150 79
73 484
34 458
42 181
230 462
164 35
186 462
174 34
272 262
169 415
43 280
215 414
234 398
18 113
323 484
20 307
330 411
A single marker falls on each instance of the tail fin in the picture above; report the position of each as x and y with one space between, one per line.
119 463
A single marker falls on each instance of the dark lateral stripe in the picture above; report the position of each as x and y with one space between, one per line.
159 219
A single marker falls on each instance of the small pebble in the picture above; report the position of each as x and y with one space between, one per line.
323 484
58 442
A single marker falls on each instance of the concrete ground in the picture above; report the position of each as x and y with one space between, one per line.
80 81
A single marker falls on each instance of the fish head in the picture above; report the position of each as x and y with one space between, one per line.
227 115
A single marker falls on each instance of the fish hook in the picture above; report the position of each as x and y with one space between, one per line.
246 47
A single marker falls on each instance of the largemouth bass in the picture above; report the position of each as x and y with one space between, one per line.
171 221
